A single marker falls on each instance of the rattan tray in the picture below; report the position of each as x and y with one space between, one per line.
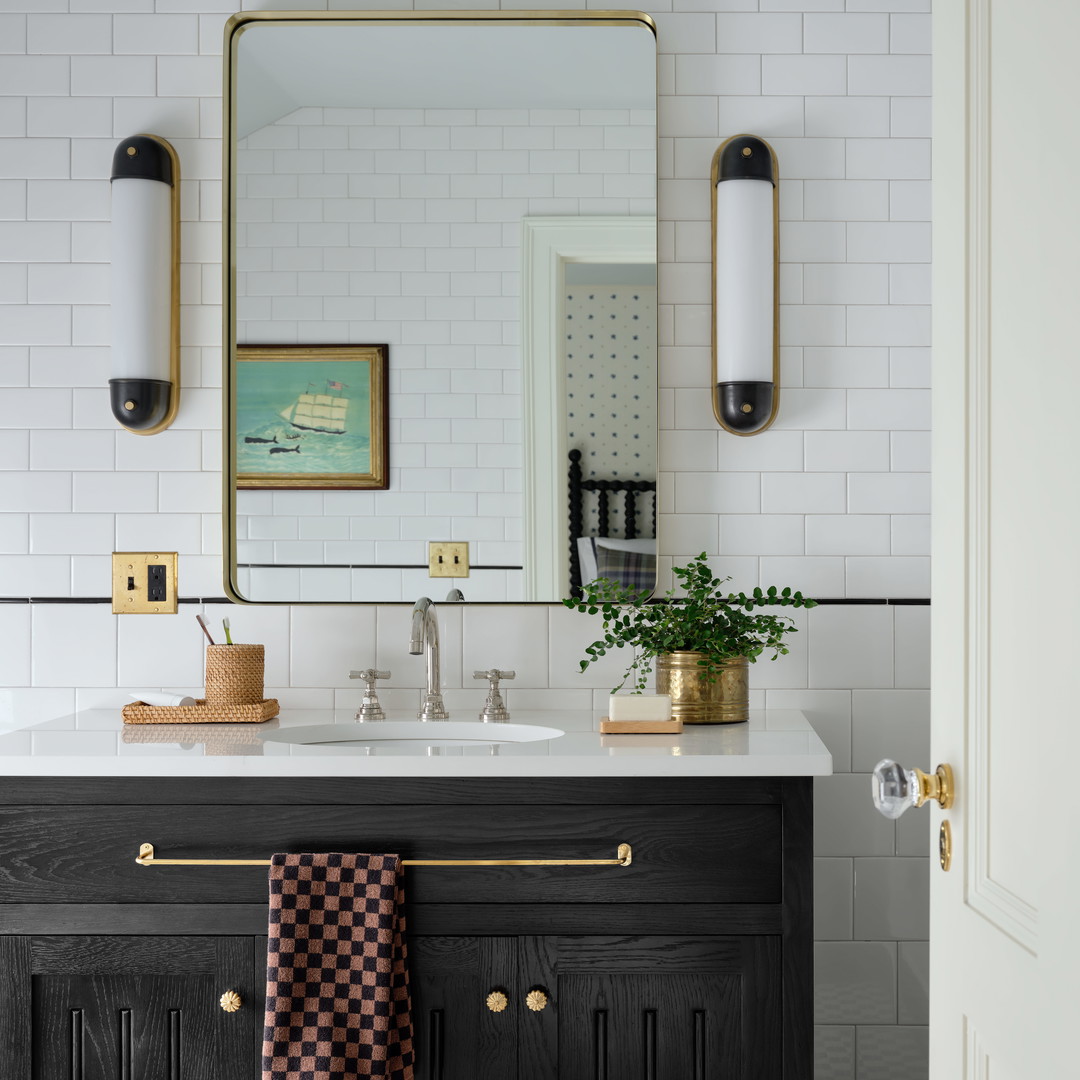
139 712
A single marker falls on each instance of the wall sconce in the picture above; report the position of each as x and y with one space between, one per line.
746 270
144 388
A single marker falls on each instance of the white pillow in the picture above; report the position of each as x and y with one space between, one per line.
586 558
615 544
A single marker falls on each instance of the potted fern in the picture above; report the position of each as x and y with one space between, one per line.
702 641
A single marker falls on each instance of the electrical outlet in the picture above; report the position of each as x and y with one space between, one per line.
144 583
448 559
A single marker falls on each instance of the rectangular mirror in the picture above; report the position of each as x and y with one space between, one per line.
440 304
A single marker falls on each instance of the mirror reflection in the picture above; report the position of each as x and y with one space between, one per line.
385 180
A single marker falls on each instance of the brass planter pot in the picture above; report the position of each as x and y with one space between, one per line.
695 700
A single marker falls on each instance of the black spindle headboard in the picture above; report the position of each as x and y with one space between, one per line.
634 492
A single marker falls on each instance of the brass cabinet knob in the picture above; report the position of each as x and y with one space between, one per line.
896 789
230 1001
536 1000
497 1001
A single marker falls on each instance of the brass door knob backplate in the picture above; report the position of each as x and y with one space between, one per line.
497 1001
536 1000
896 789
230 1001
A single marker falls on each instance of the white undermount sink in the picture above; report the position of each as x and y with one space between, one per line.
428 732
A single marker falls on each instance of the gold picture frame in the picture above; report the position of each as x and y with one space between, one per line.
310 417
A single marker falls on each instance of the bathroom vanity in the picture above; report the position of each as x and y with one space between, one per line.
692 958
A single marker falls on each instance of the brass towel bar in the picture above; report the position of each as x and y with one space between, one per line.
623 858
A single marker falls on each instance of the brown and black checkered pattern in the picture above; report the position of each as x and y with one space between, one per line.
337 990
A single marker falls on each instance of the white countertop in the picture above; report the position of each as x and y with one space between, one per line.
775 742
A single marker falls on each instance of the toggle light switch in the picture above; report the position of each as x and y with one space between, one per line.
448 559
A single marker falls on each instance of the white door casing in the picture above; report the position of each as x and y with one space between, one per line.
547 245
1005 921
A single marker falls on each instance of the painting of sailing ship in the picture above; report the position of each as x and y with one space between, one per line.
311 416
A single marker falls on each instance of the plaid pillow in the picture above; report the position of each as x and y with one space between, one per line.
632 569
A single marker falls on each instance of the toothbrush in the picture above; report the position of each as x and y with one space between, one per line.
228 636
199 620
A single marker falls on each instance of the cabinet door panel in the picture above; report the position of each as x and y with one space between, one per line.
127 1026
656 1027
456 1036
653 1008
127 1008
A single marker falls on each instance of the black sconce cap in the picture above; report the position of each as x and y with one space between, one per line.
139 404
142 157
745 157
744 407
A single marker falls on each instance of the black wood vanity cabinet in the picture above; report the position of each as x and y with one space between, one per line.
692 963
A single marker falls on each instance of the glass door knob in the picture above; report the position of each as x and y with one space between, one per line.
896 788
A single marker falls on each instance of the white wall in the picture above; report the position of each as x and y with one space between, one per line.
833 500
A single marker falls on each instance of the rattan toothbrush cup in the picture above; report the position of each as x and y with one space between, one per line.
234 674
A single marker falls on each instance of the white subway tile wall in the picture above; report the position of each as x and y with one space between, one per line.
833 500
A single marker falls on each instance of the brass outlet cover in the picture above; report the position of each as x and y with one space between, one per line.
130 583
448 559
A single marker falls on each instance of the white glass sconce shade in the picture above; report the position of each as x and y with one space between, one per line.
141 279
744 281
144 376
745 274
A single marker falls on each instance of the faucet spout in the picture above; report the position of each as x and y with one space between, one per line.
424 638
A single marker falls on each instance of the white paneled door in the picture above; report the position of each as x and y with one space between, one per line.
1005 919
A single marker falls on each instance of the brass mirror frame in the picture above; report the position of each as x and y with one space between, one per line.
234 29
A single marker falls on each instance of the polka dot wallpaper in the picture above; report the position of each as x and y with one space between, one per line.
610 344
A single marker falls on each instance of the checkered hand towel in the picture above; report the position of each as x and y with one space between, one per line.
337 991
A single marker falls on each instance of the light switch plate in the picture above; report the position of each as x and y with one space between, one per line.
144 583
448 559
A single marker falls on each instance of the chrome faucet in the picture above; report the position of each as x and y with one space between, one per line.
424 637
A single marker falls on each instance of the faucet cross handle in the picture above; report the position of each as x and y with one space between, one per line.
370 708
494 710
493 675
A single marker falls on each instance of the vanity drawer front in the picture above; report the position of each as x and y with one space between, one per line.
714 854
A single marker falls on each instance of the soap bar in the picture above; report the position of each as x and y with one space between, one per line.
639 707
154 697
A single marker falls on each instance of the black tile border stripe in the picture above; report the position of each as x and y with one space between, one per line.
358 566
858 601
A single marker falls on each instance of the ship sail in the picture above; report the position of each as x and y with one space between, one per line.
318 412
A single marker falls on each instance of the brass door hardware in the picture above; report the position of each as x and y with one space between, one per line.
896 788
230 1001
937 786
945 846
536 1000
497 1001
624 857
